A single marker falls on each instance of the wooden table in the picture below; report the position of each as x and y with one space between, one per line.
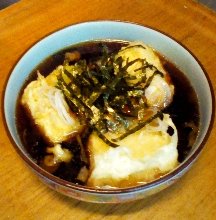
22 195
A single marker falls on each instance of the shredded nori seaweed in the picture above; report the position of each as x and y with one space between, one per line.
99 93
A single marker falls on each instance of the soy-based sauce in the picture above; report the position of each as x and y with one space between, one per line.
184 110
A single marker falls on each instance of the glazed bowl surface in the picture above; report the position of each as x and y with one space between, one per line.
111 30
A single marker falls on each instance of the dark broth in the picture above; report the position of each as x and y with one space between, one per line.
184 110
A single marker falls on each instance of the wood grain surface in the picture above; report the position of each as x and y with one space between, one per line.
22 195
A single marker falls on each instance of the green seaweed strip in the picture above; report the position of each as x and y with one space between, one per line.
73 98
138 127
100 135
129 47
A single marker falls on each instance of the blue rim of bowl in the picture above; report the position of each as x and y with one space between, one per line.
165 178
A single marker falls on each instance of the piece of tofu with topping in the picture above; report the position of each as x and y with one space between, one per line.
140 157
159 92
49 110
149 152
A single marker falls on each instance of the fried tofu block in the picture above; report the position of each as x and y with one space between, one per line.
140 157
49 110
144 59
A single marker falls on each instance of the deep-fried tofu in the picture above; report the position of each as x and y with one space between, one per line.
140 157
49 110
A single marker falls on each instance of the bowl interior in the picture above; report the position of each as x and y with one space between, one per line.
100 30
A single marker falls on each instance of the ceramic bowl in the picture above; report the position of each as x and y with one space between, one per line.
98 30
